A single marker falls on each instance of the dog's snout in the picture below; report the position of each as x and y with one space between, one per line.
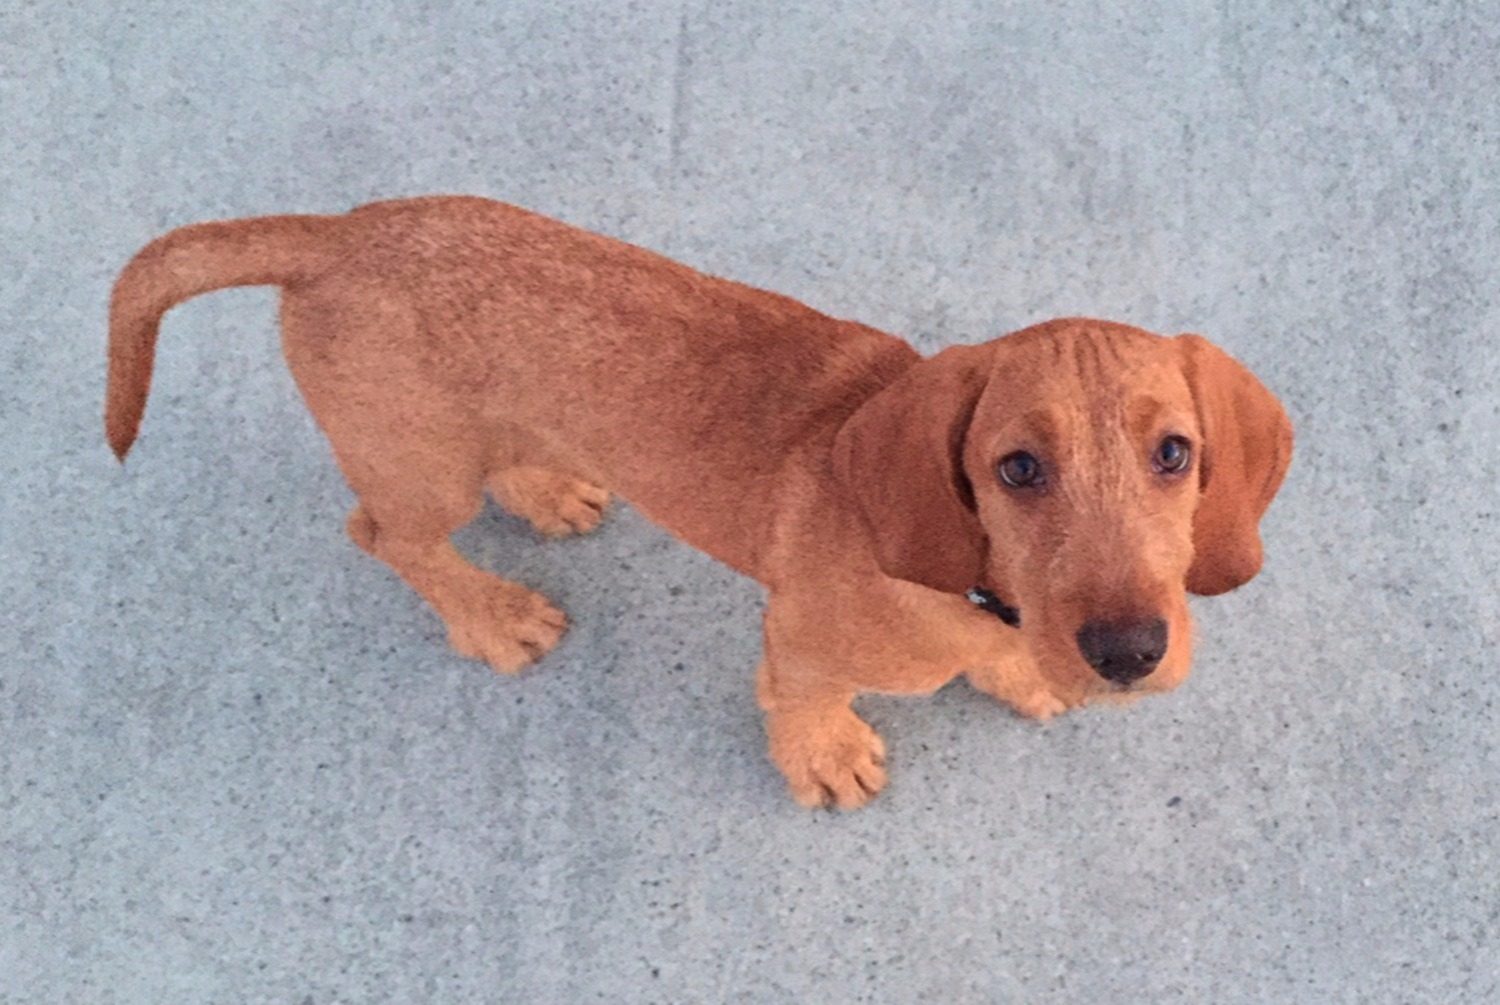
1123 653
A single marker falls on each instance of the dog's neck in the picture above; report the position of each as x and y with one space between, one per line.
980 597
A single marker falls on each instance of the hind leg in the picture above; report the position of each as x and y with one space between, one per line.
556 504
488 618
414 452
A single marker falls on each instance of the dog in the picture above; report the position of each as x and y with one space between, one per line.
1077 478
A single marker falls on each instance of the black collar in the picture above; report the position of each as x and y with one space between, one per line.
980 597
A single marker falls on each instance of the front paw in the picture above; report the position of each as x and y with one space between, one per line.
1026 693
1039 704
830 757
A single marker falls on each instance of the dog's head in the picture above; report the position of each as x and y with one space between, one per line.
1090 474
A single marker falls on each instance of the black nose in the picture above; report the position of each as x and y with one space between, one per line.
1123 653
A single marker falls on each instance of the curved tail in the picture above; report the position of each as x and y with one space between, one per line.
263 251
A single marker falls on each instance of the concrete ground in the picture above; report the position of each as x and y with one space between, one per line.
238 763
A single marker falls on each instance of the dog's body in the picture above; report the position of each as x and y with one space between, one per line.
452 345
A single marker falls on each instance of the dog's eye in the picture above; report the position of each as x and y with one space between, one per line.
1173 456
1020 470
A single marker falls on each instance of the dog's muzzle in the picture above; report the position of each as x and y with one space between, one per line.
1123 653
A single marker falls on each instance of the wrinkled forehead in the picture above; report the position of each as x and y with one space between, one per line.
1066 382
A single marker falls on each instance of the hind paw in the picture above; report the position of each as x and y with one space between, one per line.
556 504
513 627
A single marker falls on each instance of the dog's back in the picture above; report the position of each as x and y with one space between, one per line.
567 331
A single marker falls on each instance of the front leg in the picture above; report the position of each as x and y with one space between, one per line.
821 651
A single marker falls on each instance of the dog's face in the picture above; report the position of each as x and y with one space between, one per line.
1089 474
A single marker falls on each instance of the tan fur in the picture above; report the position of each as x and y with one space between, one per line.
451 345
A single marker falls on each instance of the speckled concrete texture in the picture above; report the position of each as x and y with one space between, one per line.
238 763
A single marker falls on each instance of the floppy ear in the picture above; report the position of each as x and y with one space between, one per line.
900 457
1247 445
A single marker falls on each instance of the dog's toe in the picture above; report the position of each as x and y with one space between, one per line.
578 511
556 504
1041 705
829 758
514 628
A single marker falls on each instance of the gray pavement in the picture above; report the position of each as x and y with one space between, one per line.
238 763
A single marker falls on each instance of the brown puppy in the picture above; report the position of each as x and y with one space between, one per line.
1086 473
